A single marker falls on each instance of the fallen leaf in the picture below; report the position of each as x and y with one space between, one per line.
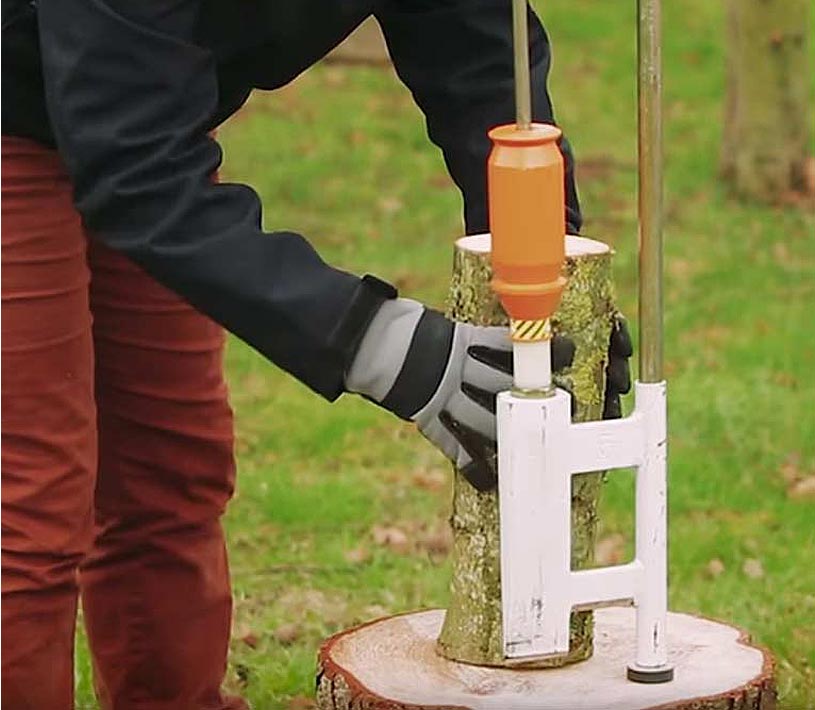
390 205
714 568
430 479
610 550
357 555
790 469
288 633
784 379
753 568
251 639
805 488
301 702
392 537
437 542
439 180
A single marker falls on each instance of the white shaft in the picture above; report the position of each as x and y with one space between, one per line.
532 363
651 526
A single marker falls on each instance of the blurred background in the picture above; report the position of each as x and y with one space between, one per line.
341 510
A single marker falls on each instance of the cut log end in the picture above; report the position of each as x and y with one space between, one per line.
392 664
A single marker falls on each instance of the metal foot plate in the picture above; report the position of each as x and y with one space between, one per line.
663 674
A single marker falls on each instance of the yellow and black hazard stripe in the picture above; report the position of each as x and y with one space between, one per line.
527 331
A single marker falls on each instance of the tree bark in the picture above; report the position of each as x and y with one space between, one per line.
391 664
768 114
472 629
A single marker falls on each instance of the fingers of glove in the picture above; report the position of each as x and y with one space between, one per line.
482 398
500 360
477 458
612 408
481 475
494 337
562 352
620 340
442 438
472 415
618 375
492 347
484 375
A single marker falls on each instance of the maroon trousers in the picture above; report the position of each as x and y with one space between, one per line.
117 464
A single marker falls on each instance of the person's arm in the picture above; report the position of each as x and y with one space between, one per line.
130 96
456 58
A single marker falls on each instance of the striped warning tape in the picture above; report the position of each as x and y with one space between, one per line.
530 330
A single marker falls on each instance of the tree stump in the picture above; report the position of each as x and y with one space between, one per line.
392 664
472 630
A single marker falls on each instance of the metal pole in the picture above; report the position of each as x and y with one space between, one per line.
523 93
649 100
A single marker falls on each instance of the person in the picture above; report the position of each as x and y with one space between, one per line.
123 258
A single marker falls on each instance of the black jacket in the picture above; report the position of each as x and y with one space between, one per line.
127 91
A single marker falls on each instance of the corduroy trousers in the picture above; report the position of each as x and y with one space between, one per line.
117 464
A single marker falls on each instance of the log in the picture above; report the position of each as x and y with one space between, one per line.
472 628
392 664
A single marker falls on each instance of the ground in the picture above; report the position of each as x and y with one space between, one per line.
340 514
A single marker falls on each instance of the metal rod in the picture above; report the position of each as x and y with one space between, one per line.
649 125
523 92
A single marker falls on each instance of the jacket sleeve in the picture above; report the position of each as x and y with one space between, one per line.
456 58
130 96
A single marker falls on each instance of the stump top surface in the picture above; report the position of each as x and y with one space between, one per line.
395 658
575 246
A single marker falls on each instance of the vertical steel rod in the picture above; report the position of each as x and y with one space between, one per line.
523 92
649 100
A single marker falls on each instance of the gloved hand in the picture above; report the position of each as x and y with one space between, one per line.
444 376
618 372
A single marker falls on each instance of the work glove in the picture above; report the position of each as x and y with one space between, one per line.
445 377
618 372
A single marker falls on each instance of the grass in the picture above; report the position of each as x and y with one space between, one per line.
341 155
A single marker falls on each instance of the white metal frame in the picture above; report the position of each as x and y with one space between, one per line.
539 450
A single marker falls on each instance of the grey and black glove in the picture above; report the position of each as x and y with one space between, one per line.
444 376
618 372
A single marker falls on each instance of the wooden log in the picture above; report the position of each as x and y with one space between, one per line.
472 629
392 664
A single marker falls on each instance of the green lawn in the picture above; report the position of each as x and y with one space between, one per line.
342 156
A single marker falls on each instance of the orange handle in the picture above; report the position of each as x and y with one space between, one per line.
527 221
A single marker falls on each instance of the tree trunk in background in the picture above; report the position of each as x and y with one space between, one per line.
365 45
767 112
472 627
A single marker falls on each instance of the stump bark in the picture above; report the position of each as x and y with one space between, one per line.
472 630
392 664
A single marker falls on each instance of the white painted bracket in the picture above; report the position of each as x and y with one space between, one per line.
539 450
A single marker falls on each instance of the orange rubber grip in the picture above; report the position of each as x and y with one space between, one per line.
527 220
